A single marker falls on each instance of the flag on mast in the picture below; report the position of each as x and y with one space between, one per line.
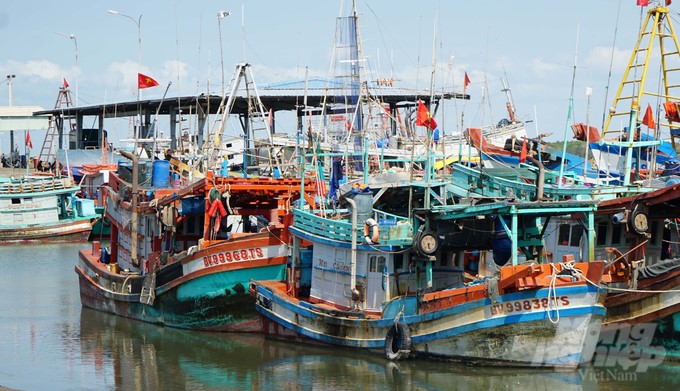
144 81
466 82
523 152
423 118
648 119
29 143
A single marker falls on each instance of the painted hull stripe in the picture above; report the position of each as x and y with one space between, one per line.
444 312
596 310
455 331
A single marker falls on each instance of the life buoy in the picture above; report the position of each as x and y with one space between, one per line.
398 342
371 231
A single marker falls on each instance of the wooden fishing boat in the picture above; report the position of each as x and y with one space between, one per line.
638 235
43 209
428 285
183 257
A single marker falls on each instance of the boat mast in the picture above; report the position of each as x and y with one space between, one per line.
510 104
361 78
656 27
569 114
429 166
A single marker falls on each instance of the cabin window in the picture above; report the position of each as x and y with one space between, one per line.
576 234
563 237
16 201
616 234
602 233
376 264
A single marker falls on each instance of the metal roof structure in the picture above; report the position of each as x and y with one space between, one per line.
22 118
276 99
286 96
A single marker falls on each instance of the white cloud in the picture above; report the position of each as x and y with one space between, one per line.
173 69
539 67
599 58
35 70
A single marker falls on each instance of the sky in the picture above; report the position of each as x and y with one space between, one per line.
539 47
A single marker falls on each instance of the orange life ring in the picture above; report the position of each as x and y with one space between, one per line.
371 227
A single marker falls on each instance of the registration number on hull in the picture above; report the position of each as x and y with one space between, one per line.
529 305
233 256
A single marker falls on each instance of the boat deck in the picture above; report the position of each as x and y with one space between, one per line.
281 289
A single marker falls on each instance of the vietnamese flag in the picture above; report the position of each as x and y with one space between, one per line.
643 3
424 118
144 81
65 83
523 152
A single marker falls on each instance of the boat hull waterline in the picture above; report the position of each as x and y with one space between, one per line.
197 293
515 331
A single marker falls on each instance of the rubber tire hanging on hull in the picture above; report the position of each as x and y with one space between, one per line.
398 342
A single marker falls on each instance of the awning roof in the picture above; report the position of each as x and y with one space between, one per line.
22 118
277 100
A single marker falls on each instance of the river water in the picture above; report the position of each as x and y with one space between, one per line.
48 342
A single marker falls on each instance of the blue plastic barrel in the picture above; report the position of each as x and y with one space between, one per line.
161 173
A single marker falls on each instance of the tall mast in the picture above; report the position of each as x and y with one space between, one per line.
632 97
569 114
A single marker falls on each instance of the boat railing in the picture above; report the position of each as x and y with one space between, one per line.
394 230
35 185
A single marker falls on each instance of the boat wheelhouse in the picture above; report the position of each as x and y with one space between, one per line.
43 209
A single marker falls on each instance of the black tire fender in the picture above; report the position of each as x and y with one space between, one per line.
398 342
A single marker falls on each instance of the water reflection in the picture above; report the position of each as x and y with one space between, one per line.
48 342
134 355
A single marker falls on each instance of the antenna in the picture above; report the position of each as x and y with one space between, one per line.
243 30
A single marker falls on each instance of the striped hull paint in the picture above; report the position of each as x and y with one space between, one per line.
68 231
191 293
473 332
660 309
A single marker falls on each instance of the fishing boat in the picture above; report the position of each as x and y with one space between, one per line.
183 257
410 269
638 236
37 209
636 230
